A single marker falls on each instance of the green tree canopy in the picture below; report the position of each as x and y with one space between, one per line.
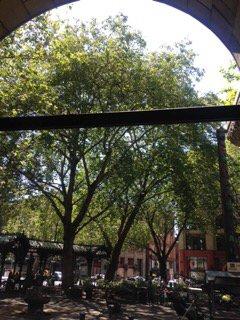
106 173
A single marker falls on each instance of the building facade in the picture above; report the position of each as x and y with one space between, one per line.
199 252
132 263
141 262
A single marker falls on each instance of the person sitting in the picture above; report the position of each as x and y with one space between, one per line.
28 282
16 279
39 279
10 282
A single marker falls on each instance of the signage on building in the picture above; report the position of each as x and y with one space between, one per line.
233 266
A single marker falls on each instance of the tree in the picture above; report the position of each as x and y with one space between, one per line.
63 166
184 191
185 205
93 68
139 178
10 187
34 217
232 77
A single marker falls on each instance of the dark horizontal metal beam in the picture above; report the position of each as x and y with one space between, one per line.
119 119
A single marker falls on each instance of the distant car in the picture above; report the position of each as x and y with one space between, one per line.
136 278
139 278
57 275
172 284
98 276
130 279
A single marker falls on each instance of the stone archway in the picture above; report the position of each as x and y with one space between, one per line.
220 16
14 13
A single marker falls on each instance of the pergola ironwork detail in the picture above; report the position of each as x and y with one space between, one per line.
127 118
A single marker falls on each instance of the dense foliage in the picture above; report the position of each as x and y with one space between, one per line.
99 182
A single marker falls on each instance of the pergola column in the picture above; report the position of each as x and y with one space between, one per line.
89 265
3 259
43 261
30 265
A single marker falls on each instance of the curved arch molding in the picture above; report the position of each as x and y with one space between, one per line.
220 16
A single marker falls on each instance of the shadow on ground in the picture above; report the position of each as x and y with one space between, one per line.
60 308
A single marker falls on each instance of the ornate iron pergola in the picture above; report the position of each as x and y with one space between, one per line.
120 119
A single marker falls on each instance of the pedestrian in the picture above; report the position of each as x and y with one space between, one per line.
150 290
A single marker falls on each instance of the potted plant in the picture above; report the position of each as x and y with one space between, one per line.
88 288
74 292
35 300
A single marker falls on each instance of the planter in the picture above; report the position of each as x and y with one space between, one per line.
88 288
89 293
35 305
36 300
142 295
74 292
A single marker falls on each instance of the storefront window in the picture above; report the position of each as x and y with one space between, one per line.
196 263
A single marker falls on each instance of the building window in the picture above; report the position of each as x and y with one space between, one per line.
220 242
139 266
198 264
121 262
130 262
195 242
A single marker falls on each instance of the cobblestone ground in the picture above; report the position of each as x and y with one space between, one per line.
64 309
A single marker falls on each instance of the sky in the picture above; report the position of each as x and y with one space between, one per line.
160 25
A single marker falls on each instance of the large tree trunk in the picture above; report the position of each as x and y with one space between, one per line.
113 263
163 268
67 263
116 251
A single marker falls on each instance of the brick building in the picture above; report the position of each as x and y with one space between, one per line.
199 252
140 262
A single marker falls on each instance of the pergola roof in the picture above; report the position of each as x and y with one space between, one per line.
51 247
57 247
220 16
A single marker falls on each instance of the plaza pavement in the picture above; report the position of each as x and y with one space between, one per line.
60 308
